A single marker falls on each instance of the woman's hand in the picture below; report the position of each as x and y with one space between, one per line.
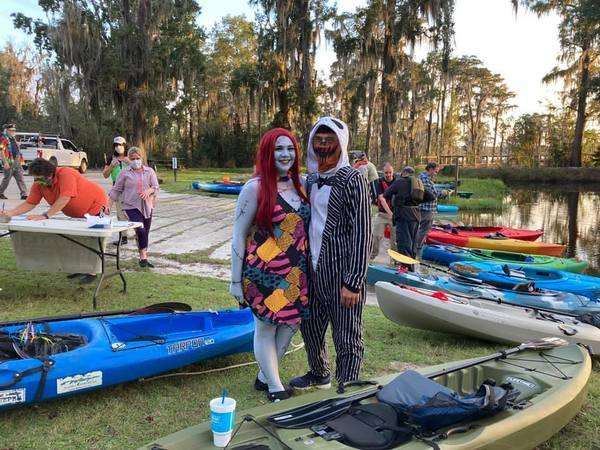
235 289
147 193
36 217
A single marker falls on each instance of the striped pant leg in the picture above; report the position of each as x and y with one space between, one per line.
348 339
313 332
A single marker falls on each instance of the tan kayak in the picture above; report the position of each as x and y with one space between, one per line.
485 319
552 385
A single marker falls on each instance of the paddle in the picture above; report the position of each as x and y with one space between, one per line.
156 308
408 260
321 411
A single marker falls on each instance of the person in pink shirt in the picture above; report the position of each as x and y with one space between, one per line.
137 187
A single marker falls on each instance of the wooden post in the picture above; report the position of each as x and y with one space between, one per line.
456 177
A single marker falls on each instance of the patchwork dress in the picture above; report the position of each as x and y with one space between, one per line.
274 275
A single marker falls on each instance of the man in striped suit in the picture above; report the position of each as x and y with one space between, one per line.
339 238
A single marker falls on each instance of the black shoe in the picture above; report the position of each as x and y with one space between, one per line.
75 275
3 197
280 395
23 197
87 279
260 386
123 241
146 263
310 380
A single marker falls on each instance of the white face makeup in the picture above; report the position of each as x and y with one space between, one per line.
284 155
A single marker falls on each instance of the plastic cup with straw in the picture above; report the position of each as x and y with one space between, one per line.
222 418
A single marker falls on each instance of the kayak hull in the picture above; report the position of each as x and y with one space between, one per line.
559 302
447 208
218 188
554 402
552 279
437 236
484 232
447 254
120 349
495 322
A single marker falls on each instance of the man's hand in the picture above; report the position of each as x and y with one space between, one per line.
444 193
36 217
349 298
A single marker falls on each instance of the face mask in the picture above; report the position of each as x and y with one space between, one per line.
284 155
136 163
328 152
119 149
43 181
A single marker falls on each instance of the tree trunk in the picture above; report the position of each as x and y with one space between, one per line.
368 144
388 97
582 94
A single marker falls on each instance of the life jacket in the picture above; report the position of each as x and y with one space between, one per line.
417 190
385 186
432 406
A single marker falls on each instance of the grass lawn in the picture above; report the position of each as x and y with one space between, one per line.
127 416
488 193
186 176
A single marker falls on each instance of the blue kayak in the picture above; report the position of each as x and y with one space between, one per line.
447 208
446 254
560 302
56 359
511 275
218 188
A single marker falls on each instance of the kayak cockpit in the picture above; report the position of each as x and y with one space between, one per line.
37 341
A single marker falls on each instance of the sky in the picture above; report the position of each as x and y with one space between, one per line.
522 48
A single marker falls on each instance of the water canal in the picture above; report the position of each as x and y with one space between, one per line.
567 214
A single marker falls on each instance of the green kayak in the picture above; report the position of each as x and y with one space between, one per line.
552 385
446 254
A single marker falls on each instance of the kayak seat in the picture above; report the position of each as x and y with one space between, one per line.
524 287
373 426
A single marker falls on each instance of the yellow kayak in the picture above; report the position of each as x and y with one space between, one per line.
495 243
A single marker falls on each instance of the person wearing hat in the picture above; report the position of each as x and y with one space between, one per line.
119 162
406 211
365 167
11 161
385 214
340 242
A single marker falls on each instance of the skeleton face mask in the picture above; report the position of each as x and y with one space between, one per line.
327 149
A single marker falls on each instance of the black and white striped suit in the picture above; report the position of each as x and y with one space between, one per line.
342 261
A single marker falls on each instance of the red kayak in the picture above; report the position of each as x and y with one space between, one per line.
492 232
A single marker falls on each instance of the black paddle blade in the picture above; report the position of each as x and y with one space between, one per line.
164 307
317 412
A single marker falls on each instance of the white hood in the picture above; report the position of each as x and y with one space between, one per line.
341 130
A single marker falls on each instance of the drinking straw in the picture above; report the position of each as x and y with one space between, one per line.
224 395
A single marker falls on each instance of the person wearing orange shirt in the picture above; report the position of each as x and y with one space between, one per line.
65 190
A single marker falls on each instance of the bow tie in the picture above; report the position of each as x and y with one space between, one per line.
325 182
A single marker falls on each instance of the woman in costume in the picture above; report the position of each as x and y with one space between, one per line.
269 254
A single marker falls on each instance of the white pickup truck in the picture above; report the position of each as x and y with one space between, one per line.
52 147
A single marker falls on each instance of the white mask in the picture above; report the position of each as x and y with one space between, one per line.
136 163
284 155
120 149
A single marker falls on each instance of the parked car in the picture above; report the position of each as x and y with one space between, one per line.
54 148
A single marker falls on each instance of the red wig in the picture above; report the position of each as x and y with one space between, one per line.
267 173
